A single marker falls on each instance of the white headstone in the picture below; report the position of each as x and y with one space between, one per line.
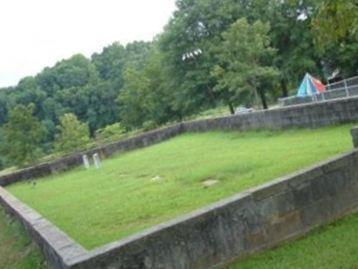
96 160
85 161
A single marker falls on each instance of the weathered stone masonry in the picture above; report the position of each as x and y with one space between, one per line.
68 162
57 247
301 116
234 227
231 228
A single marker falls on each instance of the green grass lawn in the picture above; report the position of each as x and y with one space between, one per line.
16 249
138 189
334 246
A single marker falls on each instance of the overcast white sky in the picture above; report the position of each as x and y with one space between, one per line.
38 33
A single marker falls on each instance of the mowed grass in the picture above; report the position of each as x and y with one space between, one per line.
138 189
16 249
331 247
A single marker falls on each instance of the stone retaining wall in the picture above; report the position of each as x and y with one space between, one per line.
252 220
57 247
312 115
68 162
305 116
235 227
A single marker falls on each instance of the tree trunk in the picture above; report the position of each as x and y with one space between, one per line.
263 99
284 88
231 107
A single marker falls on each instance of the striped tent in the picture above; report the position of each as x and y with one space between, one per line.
310 86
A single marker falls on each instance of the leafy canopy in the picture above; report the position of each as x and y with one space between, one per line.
73 134
242 60
22 136
340 14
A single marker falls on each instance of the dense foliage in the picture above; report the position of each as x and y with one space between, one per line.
241 71
22 136
211 52
73 134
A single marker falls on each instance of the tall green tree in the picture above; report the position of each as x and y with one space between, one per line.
291 34
145 97
335 28
73 134
115 58
93 103
76 71
136 54
242 70
132 98
185 43
110 64
27 92
197 25
22 136
335 20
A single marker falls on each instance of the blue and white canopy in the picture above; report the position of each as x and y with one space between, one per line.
310 86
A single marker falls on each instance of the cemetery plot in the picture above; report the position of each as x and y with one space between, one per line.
138 189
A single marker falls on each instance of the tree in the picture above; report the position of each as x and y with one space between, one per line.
131 99
174 76
110 64
242 68
113 60
335 28
335 20
93 103
160 104
291 35
27 92
22 136
136 54
76 71
145 97
195 26
73 135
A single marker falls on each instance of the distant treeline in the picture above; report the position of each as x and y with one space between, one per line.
231 52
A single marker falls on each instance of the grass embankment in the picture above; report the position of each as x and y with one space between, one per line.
141 188
331 247
16 249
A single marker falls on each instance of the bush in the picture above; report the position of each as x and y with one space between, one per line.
73 134
110 132
149 125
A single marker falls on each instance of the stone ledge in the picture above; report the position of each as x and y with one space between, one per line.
234 227
304 115
288 224
57 247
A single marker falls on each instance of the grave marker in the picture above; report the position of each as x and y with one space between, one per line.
96 161
85 161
